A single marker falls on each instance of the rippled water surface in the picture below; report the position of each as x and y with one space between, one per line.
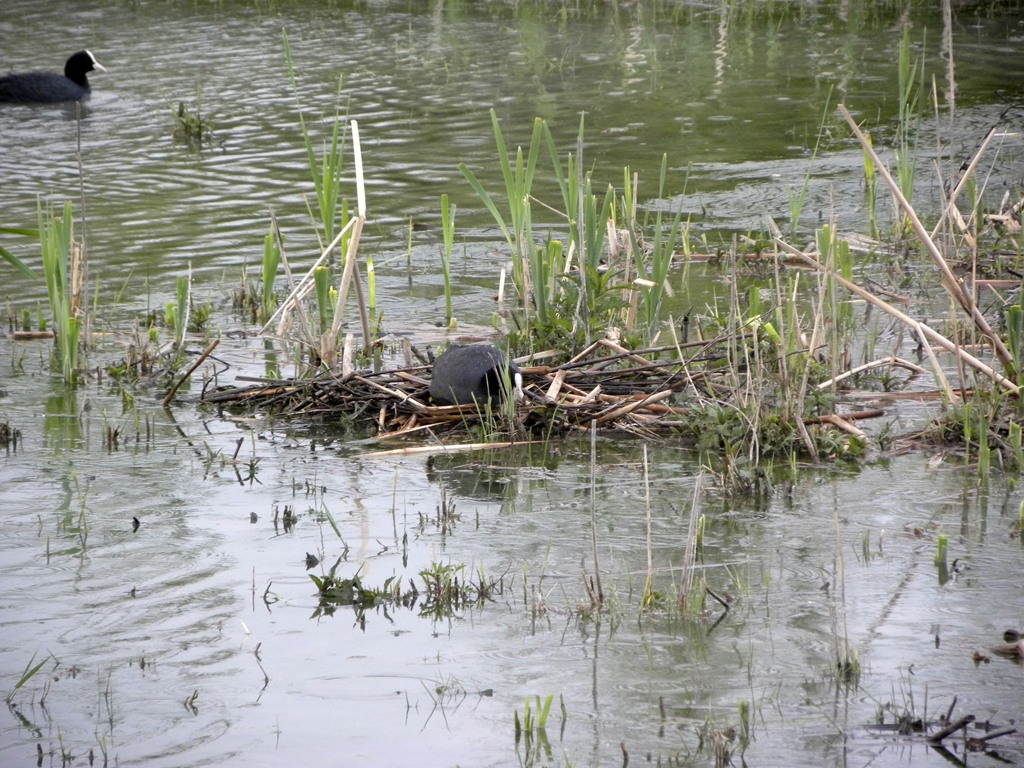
193 641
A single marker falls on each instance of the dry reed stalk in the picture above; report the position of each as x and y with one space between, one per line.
950 207
199 361
582 355
688 572
953 286
400 396
631 355
630 407
919 327
305 285
349 273
843 424
284 325
890 362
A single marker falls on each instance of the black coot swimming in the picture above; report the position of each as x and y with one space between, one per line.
73 85
472 373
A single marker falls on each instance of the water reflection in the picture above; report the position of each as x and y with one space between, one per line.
62 425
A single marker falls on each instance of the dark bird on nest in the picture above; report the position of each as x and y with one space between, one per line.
48 87
474 374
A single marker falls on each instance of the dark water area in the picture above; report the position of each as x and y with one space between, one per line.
196 639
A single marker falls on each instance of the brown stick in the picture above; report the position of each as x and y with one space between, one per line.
630 407
199 361
960 724
993 735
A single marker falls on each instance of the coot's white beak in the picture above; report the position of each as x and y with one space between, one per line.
95 64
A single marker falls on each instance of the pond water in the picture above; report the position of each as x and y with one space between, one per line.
194 639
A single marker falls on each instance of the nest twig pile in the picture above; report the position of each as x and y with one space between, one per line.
606 384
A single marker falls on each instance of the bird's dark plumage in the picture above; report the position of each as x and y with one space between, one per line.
48 87
471 374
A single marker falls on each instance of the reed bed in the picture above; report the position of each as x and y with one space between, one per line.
772 378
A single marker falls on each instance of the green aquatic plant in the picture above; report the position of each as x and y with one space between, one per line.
326 173
911 86
941 548
531 729
269 265
63 267
27 674
652 268
517 228
324 305
191 126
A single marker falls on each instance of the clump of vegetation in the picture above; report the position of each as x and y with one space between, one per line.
191 126
64 269
446 589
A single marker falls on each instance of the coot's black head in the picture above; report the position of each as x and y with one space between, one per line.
45 87
80 64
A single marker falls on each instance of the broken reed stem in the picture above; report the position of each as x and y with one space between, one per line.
886 362
636 404
949 281
919 327
353 245
279 240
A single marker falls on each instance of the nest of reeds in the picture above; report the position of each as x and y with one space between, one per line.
606 385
